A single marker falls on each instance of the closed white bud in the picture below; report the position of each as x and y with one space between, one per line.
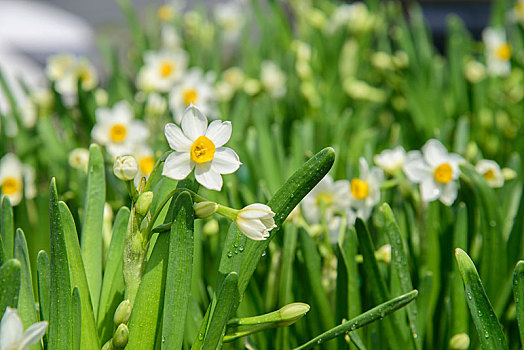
205 209
255 221
125 168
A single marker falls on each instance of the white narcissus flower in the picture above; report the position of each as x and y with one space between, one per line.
498 51
79 158
118 130
200 147
66 70
255 221
491 171
195 88
391 160
12 335
230 17
273 79
12 178
365 190
162 70
436 171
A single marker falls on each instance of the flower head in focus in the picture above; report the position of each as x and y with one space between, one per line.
436 171
195 88
498 51
365 190
162 70
491 172
118 130
12 335
255 221
200 147
125 168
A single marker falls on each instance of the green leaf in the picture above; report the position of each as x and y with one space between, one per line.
518 295
7 228
26 301
78 279
366 318
225 301
459 307
488 327
92 223
9 284
179 271
60 320
44 284
400 263
78 338
113 281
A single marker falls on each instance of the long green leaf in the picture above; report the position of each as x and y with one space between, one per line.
179 271
367 317
518 295
44 284
60 320
7 228
79 340
488 327
78 279
92 223
9 284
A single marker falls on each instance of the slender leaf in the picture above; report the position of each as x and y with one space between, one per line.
518 295
7 228
9 284
44 284
78 338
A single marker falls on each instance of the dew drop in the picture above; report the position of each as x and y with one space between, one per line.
241 249
264 253
200 336
229 254
480 313
486 334
469 295
236 245
415 335
163 339
236 251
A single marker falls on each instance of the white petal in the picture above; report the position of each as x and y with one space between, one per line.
219 132
176 138
363 167
254 229
11 328
207 177
259 206
138 131
194 123
310 210
449 193
225 161
33 334
178 165
417 170
434 152
429 190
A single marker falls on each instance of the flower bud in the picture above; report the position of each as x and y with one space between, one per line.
144 202
125 168
255 221
205 209
121 336
108 345
459 342
123 312
293 312
509 174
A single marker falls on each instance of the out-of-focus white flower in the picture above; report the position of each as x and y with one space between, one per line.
79 158
491 172
365 190
302 50
436 171
252 86
255 221
498 51
117 129
273 79
200 147
162 69
517 12
29 181
156 104
146 161
391 160
382 61
355 17
195 88
360 90
125 168
12 178
474 71
234 76
101 97
67 70
12 335
230 17
170 38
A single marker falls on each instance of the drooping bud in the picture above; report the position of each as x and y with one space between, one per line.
125 168
205 209
144 202
121 336
123 312
293 312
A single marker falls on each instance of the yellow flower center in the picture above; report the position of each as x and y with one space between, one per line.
359 189
203 150
166 69
324 199
146 165
11 185
165 13
489 175
503 52
118 133
443 173
190 96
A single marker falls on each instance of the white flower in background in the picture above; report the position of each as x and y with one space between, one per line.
156 104
436 171
170 38
58 66
252 86
230 17
491 171
365 190
166 13
498 51
199 146
273 79
125 168
11 178
161 70
79 158
12 335
195 88
355 17
474 71
232 80
517 13
29 181
391 160
66 71
146 161
118 130
255 221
